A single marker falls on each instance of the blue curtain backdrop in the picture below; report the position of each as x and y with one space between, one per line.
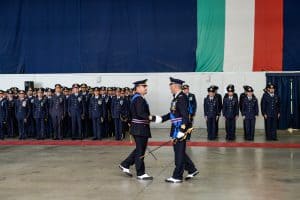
287 84
63 36
291 41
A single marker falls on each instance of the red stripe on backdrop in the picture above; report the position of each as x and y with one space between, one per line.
268 35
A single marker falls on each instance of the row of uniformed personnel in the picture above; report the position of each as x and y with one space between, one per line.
247 104
105 112
78 112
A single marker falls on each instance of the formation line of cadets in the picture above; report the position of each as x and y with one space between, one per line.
82 112
79 112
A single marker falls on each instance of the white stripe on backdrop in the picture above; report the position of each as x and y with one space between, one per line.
239 35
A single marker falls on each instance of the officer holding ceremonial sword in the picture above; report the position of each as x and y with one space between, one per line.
179 117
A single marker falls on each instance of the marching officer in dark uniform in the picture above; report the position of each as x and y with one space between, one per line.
57 108
86 122
12 127
220 106
30 125
140 130
76 112
179 117
230 112
211 113
192 108
249 112
22 114
270 108
3 114
40 111
117 105
96 113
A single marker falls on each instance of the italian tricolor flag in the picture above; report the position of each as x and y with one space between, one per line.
247 35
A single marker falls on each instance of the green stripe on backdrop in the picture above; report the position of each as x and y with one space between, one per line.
211 35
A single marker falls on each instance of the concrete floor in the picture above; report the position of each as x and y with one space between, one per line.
91 172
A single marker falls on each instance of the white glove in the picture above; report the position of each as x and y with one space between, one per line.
158 119
180 135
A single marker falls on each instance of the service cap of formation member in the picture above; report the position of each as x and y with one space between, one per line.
250 89
185 86
211 89
75 85
270 86
57 85
230 88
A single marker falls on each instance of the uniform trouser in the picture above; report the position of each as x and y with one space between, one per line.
230 126
125 128
118 128
105 127
211 128
249 127
67 127
244 127
21 126
11 126
40 128
97 128
76 125
217 127
265 125
1 129
57 126
135 156
111 127
182 160
49 127
86 123
30 127
90 127
271 128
